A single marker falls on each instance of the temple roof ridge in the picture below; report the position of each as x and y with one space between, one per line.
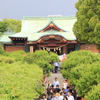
45 17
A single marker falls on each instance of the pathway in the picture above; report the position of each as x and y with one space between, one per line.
59 76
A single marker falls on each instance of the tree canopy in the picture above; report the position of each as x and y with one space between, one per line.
10 25
3 26
82 68
19 80
87 26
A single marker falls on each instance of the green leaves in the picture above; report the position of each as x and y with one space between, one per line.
88 18
83 70
19 81
93 21
10 25
42 58
94 94
3 26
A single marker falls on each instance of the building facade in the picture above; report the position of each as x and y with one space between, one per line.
45 33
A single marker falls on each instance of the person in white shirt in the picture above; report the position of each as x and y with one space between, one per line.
70 97
61 96
65 84
55 82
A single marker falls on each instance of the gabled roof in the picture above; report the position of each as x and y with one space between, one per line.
32 25
51 24
35 24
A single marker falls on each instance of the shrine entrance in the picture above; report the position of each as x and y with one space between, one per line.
58 50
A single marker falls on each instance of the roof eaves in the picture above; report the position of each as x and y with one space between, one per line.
48 34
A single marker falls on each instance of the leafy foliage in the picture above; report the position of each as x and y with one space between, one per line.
21 74
88 77
17 55
10 25
19 81
87 25
94 94
2 52
6 59
3 26
83 70
41 58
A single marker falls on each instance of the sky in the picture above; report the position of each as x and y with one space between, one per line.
17 9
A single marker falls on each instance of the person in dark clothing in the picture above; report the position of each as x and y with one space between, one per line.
56 65
63 91
74 94
49 97
50 90
57 89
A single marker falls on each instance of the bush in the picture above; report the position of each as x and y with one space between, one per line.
28 58
83 70
54 57
2 52
85 77
94 94
45 66
79 57
17 55
20 81
41 58
7 59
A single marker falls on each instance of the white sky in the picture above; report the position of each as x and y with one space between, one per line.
16 9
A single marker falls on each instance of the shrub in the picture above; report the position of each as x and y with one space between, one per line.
7 59
28 58
2 52
20 81
85 77
83 70
94 94
41 58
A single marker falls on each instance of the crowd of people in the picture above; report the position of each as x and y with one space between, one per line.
55 92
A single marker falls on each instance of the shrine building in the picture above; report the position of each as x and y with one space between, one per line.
53 33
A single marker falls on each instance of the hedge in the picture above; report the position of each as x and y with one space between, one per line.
20 81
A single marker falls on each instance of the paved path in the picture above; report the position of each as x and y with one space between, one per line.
59 76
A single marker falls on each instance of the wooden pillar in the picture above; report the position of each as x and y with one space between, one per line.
64 49
39 48
31 49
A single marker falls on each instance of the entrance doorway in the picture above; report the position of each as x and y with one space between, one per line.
58 50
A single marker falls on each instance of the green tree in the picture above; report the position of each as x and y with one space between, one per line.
87 25
12 25
42 58
82 68
19 80
94 94
2 27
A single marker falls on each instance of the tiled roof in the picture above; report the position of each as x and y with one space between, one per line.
32 25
